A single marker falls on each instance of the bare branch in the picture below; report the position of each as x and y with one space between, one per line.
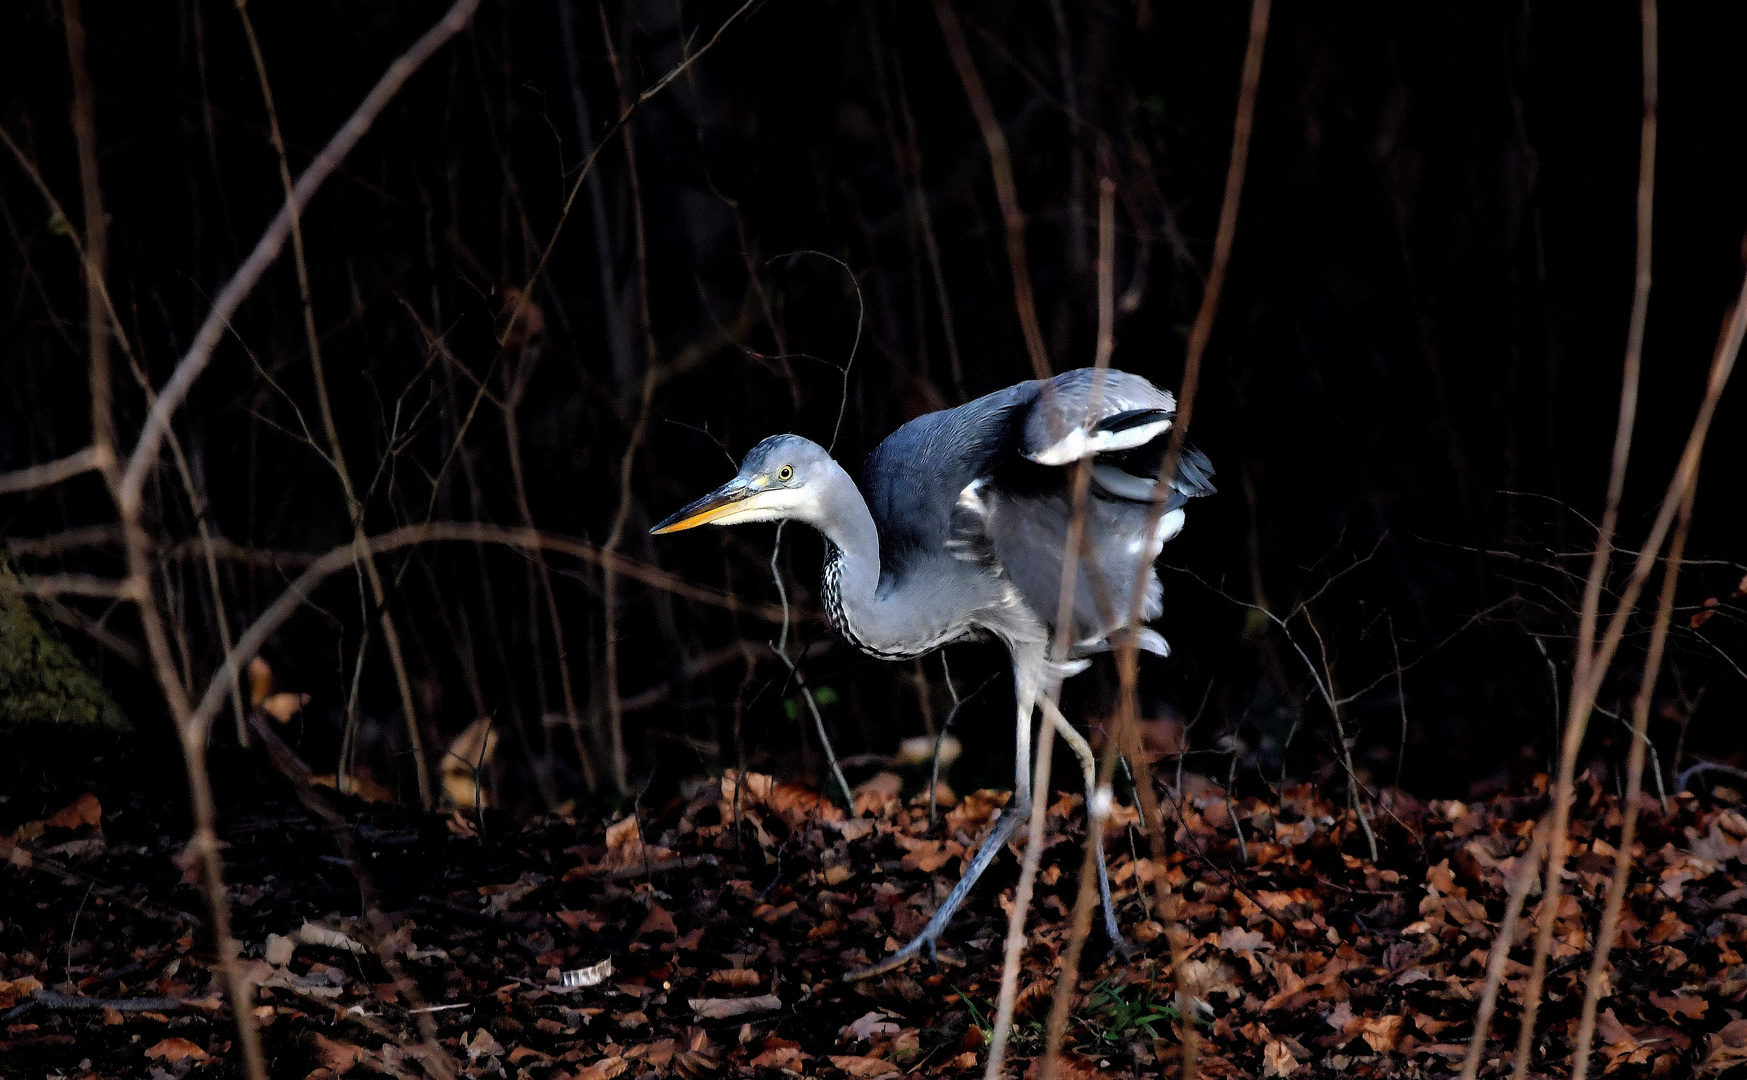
1128 654
325 566
1006 191
1616 894
272 241
53 472
70 585
515 313
1519 890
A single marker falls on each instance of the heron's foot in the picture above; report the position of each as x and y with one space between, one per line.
1123 948
1118 944
938 959
924 940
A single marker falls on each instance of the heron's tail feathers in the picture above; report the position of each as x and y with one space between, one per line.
1130 475
1150 640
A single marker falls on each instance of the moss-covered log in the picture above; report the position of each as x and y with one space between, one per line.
41 681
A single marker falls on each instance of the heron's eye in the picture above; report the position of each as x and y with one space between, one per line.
786 473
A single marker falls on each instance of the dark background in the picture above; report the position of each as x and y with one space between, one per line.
1414 372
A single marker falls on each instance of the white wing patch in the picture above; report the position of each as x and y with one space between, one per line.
971 501
1079 443
969 538
1006 616
1169 526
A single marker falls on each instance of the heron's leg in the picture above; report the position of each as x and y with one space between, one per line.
1027 670
1010 821
1089 769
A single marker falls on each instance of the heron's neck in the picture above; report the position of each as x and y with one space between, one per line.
850 588
843 518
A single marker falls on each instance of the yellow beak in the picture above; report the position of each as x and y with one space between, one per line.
718 503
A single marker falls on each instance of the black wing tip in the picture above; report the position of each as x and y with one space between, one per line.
1133 418
1195 472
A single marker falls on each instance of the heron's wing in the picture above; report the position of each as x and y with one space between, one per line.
1094 412
1119 419
978 497
915 480
1122 423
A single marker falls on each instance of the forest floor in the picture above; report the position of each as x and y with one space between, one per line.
715 951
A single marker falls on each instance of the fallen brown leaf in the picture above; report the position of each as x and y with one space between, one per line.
1687 1005
176 1050
864 1066
738 978
1381 1032
658 921
81 812
1277 1060
723 1008
778 1054
1725 1049
1070 1067
340 1057
604 1069
870 1024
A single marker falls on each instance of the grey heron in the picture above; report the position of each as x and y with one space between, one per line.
958 530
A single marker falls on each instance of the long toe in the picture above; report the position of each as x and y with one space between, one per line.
893 962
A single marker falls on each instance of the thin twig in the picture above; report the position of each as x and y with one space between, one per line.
624 118
1243 850
336 455
1059 648
77 463
431 1051
1128 653
1006 191
1703 767
1345 747
1080 928
1616 894
1100 798
1650 748
340 558
1584 692
819 725
940 739
54 1001
68 585
1401 699
1589 662
96 243
1585 689
910 164
940 736
272 241
1016 939
615 733
782 644
1527 870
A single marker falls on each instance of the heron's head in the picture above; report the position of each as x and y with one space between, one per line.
781 478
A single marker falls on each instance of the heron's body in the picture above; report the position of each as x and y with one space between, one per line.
958 508
959 528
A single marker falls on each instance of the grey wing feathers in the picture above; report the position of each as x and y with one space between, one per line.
914 479
984 485
1122 422
1027 535
1194 473
1119 419
1087 411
